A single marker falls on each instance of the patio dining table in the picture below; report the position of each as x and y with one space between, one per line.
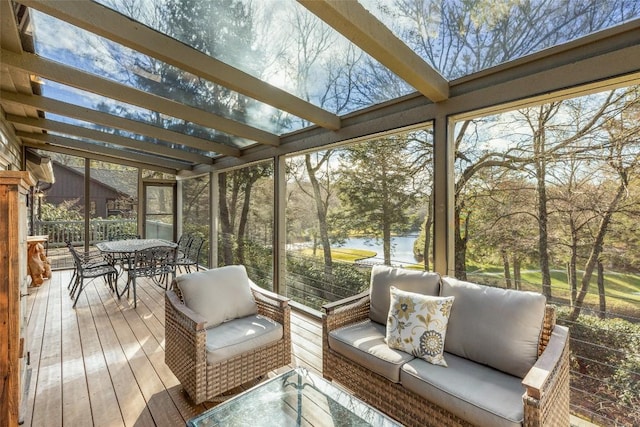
124 252
129 246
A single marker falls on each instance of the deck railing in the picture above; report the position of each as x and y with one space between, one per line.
60 232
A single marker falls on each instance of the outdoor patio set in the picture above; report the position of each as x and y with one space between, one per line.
415 348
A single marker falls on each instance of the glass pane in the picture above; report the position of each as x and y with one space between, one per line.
196 212
159 211
114 199
60 209
352 207
119 132
113 61
246 221
280 42
120 109
547 201
459 38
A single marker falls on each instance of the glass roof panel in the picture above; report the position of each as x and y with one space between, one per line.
83 98
115 147
277 41
126 134
460 37
57 40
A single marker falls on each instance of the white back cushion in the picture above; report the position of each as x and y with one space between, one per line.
383 277
494 326
219 294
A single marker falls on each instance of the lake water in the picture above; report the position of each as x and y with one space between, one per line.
401 249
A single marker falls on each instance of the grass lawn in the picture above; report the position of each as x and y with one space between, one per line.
622 290
343 255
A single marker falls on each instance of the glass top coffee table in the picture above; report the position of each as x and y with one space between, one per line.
295 398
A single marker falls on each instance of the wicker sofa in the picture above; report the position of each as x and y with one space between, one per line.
222 331
508 362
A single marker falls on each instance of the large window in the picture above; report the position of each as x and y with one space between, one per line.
547 200
196 212
245 234
351 207
114 200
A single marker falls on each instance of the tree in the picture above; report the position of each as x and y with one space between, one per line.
377 184
461 37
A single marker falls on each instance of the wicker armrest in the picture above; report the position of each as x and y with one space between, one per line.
547 383
189 318
272 305
185 345
346 311
268 296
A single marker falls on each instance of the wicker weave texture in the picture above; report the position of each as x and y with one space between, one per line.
185 351
552 409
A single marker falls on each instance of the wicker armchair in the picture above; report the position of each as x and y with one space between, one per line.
546 400
186 352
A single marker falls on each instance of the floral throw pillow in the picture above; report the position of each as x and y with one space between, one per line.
417 324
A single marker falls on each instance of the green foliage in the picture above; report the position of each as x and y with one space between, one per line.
307 284
607 349
65 211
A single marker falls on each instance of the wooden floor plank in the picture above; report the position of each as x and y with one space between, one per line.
74 377
102 363
47 407
37 301
124 320
132 405
104 403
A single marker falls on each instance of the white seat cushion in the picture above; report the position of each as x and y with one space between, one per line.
238 336
477 393
219 294
364 343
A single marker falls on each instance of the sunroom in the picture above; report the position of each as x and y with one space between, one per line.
495 142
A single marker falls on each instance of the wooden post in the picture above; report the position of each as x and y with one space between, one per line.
14 187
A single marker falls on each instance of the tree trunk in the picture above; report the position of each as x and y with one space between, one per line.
244 216
321 211
572 270
428 221
225 222
386 243
460 246
543 237
603 302
517 277
596 250
507 272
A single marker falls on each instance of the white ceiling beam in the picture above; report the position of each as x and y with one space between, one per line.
60 73
95 156
95 148
112 25
357 24
82 132
90 115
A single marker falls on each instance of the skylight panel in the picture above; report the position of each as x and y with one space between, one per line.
459 38
59 41
279 42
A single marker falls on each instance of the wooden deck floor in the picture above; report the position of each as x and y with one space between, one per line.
102 363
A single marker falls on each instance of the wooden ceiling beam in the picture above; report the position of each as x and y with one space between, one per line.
61 73
357 24
95 156
82 132
114 26
95 148
104 119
